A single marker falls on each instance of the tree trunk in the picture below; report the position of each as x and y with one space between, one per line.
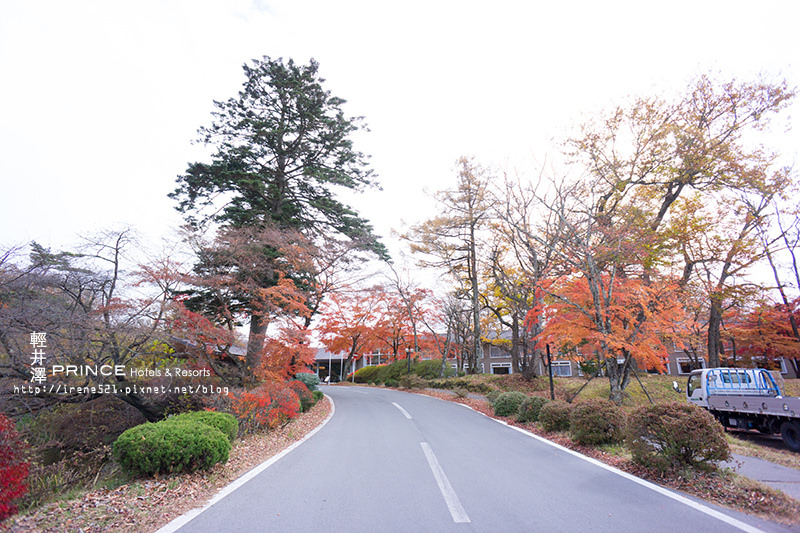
618 377
515 344
255 345
714 323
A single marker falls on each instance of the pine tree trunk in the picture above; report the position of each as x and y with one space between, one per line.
255 346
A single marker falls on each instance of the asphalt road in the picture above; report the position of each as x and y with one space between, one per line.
390 461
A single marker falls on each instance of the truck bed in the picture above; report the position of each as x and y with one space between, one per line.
748 403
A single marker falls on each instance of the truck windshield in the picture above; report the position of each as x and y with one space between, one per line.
693 384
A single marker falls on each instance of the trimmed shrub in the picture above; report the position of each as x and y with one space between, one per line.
170 446
508 403
392 371
305 396
429 369
412 381
492 396
595 422
224 422
317 395
554 416
529 409
309 379
676 435
13 467
392 383
367 374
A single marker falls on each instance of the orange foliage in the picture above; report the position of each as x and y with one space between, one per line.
268 406
286 354
631 317
200 330
766 332
349 323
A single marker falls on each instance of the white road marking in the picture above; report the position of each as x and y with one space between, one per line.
402 411
450 498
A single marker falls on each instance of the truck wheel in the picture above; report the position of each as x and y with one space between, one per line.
790 433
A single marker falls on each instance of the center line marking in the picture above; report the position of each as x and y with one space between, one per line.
450 498
402 411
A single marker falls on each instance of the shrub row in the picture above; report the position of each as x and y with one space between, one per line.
181 443
662 436
397 371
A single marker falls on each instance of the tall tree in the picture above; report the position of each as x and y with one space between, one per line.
282 147
452 238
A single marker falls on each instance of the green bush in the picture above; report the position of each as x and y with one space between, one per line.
170 446
367 374
529 409
461 383
596 421
429 369
392 383
492 396
554 415
413 381
224 422
309 379
676 435
393 371
317 395
508 403
305 396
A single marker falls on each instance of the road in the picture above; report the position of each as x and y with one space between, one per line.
389 461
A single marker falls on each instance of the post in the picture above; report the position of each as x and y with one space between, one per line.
550 371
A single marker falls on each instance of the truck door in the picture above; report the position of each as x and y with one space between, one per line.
694 390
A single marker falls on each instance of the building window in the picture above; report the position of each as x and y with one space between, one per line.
775 364
496 351
685 365
562 369
501 368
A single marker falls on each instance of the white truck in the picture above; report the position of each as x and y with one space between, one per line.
746 398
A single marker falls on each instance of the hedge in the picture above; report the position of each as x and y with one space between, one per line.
170 446
224 422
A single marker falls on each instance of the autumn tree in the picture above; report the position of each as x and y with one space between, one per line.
350 321
266 271
596 291
657 157
282 147
451 240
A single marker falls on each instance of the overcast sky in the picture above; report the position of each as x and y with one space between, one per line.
100 100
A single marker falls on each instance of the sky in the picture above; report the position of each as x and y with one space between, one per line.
100 100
